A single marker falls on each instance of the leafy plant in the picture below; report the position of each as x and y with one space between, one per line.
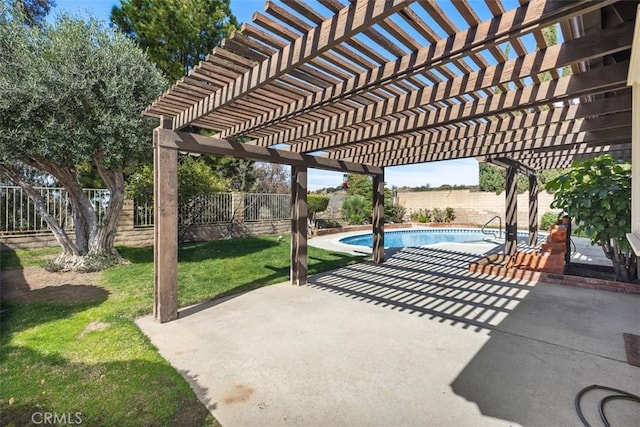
356 210
316 204
547 220
597 194
394 213
422 215
176 34
195 179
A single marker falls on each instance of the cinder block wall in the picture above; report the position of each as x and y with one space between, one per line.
474 207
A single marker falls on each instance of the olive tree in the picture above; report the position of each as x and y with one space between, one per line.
596 193
72 93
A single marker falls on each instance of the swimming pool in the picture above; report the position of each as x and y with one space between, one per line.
405 238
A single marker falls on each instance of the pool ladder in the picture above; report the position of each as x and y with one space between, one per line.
484 231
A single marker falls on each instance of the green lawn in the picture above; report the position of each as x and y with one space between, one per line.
90 358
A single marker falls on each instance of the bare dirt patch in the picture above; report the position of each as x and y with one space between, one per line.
36 285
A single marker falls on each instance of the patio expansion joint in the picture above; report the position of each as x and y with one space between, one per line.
497 329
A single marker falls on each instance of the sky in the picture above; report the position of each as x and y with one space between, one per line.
435 174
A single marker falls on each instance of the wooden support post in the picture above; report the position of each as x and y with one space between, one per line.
633 80
378 218
511 217
165 229
299 270
635 159
533 210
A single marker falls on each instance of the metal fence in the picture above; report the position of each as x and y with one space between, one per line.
18 213
220 208
207 209
266 207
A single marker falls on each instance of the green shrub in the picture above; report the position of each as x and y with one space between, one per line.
422 216
449 215
355 210
548 219
316 203
443 215
394 213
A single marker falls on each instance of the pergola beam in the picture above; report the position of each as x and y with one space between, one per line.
514 23
194 143
608 42
330 33
540 121
592 82
487 147
499 141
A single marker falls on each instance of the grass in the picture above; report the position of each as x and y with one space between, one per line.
90 358
26 258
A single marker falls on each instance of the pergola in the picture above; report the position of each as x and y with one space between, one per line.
376 83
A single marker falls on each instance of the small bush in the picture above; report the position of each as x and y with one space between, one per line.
422 216
449 215
394 213
355 210
548 219
439 215
435 215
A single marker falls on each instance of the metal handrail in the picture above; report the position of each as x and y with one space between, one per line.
493 232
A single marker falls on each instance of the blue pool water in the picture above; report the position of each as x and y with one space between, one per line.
405 238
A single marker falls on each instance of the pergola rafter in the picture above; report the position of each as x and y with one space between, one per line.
361 86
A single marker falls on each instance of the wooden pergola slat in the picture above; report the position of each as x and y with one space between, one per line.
360 90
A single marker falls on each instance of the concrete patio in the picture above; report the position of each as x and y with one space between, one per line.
414 341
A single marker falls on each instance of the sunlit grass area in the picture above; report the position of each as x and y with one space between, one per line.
89 358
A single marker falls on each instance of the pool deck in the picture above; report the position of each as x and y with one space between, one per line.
584 252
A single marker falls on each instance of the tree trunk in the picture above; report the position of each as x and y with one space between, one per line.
68 247
93 239
103 235
623 261
84 215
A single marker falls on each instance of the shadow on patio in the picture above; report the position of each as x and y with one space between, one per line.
546 342
416 340
429 282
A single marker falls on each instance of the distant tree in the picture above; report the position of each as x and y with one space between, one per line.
494 179
177 34
355 210
544 176
32 12
316 204
361 185
196 180
596 193
72 94
271 178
